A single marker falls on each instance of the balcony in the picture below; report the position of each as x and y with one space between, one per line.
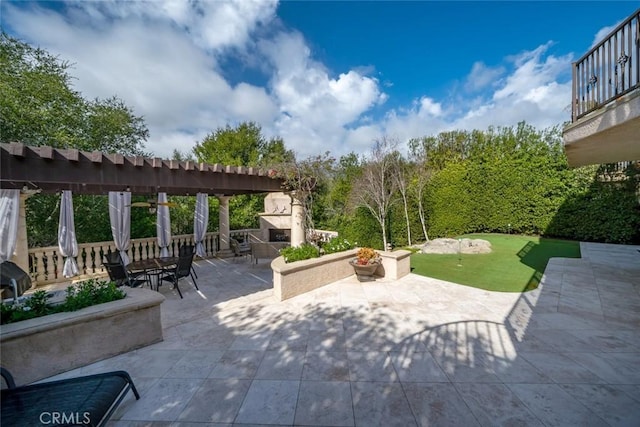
605 109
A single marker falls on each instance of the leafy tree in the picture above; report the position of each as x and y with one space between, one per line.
375 189
38 106
419 178
402 172
243 145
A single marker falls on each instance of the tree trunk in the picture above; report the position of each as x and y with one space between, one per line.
406 216
384 232
422 220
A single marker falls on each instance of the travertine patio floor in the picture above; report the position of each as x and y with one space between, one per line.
416 351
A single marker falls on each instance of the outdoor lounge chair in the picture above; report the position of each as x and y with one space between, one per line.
240 249
82 401
182 269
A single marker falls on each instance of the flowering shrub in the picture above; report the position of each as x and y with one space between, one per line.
366 256
336 244
83 294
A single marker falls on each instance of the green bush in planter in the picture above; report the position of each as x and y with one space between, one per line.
299 253
78 296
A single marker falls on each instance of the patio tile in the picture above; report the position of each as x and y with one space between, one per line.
195 364
216 401
149 363
257 341
269 402
324 403
495 404
519 370
561 368
633 391
611 404
332 340
417 367
614 368
371 366
281 365
164 401
438 404
554 406
470 366
326 366
291 338
240 364
604 340
381 404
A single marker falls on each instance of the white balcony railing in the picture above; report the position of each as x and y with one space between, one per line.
45 264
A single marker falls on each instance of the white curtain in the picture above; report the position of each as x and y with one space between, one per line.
120 216
67 242
200 221
163 225
9 215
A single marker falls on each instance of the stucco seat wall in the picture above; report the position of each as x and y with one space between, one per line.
39 348
298 277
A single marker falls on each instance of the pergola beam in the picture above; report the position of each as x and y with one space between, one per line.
52 170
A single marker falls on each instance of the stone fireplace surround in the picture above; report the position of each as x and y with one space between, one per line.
275 221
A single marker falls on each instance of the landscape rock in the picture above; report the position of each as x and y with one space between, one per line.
452 246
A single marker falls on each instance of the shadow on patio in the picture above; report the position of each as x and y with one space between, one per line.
417 351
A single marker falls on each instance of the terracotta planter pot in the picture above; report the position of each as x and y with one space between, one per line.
364 272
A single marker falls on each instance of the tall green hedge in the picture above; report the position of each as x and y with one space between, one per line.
518 180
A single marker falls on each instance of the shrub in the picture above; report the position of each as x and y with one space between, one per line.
299 253
81 295
337 244
90 292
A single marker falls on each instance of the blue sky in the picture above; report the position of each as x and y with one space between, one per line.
322 75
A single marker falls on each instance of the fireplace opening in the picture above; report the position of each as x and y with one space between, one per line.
279 235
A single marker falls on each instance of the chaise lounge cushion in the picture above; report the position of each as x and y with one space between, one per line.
88 400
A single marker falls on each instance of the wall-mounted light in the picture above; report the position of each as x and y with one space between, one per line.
152 209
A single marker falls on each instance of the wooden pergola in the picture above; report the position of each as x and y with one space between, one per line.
51 170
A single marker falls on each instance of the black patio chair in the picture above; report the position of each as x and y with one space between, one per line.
118 273
189 250
112 257
84 401
182 269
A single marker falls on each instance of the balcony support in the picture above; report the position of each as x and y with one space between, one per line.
608 135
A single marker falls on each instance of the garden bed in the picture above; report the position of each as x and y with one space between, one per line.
44 346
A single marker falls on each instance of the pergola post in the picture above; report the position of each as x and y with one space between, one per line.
297 221
21 253
223 226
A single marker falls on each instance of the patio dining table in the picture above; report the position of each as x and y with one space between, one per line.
152 267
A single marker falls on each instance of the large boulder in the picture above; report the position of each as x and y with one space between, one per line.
453 246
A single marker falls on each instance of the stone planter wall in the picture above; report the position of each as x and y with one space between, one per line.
39 348
299 277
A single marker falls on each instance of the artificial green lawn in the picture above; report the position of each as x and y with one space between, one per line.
515 264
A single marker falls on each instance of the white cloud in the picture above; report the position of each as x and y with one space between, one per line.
155 68
533 88
482 76
164 59
315 107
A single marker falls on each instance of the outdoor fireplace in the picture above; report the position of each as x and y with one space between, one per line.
279 234
275 221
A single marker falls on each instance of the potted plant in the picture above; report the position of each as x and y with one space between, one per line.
365 263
